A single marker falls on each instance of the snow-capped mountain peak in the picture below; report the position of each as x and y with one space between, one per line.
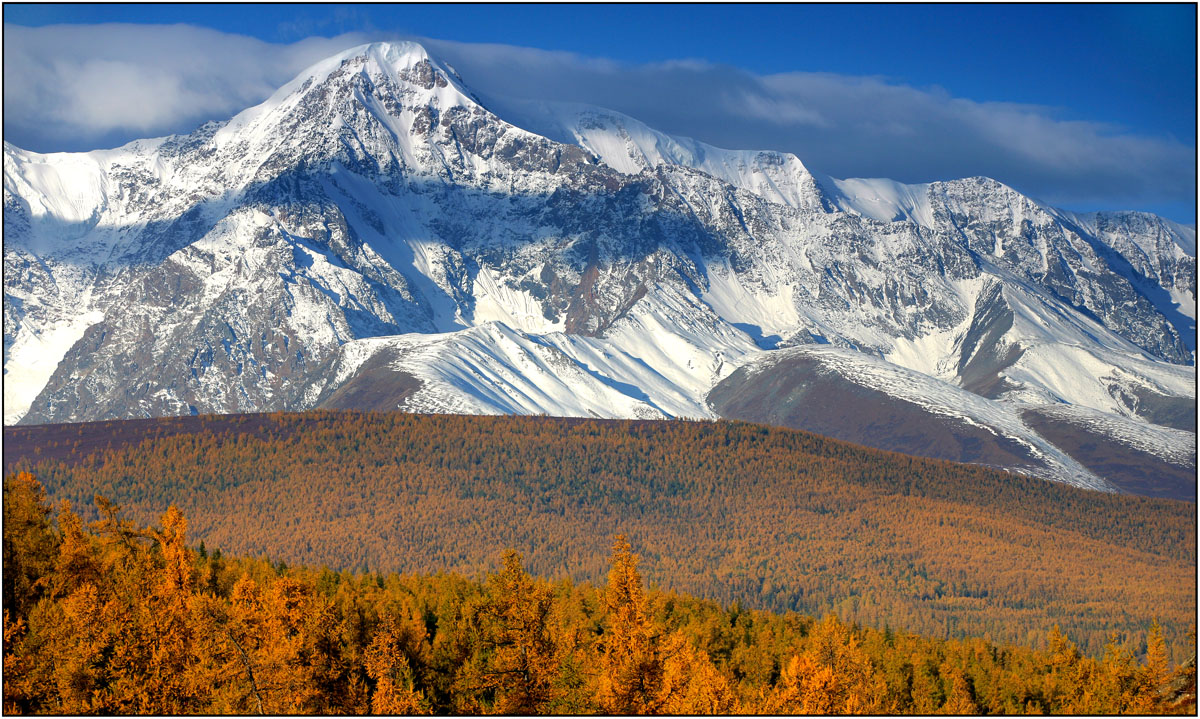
402 66
372 235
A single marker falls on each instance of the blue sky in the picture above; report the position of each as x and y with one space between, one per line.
1087 106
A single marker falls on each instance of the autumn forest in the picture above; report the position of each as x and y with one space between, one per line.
336 562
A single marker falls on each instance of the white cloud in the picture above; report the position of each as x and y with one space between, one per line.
78 87
857 126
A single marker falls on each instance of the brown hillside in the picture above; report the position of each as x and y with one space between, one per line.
774 518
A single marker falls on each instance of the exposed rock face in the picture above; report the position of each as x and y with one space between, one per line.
1011 231
326 242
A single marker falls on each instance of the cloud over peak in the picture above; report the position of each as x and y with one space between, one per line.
76 87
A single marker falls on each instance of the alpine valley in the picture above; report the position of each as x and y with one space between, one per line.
373 237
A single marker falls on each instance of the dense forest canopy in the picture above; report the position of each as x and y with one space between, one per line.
775 519
112 617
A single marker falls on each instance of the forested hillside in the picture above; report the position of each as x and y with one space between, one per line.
118 618
775 519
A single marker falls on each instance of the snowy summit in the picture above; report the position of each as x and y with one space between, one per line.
372 236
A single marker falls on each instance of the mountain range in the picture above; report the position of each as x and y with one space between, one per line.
372 236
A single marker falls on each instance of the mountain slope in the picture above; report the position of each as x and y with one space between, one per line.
732 511
372 216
